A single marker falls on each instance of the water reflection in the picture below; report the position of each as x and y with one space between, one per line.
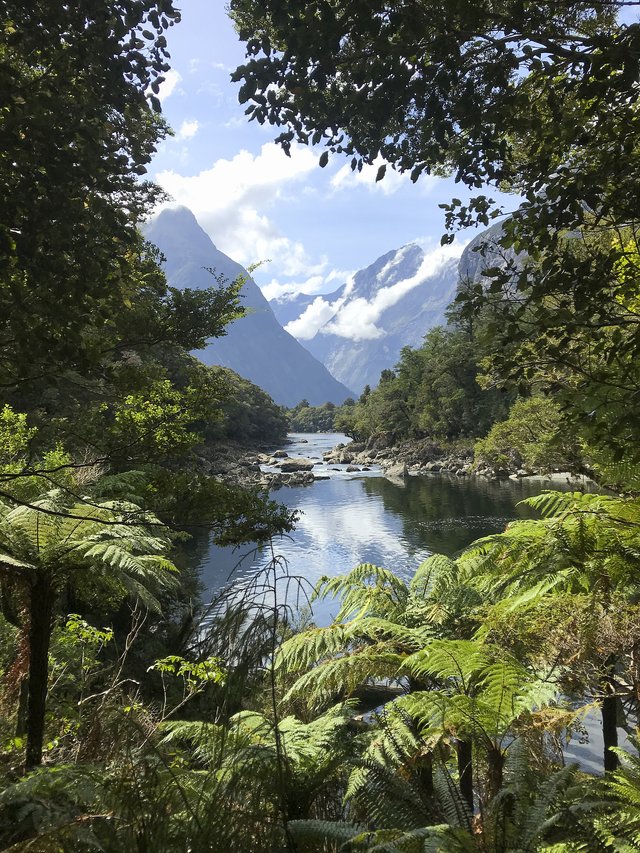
353 518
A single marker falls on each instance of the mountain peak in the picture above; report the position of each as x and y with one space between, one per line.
255 346
359 330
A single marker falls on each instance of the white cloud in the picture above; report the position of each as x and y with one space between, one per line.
313 319
168 86
188 129
230 199
318 283
356 319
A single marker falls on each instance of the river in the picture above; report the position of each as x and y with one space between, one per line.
358 517
361 517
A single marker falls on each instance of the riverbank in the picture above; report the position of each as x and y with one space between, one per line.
423 457
261 466
258 465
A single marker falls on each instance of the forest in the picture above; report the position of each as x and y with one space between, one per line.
135 717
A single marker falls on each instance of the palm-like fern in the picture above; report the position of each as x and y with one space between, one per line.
56 541
529 814
616 823
296 765
584 544
381 621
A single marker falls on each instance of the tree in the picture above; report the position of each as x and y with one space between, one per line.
584 545
433 391
383 623
533 436
79 123
538 99
56 541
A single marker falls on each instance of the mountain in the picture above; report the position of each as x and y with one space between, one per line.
255 346
360 329
473 261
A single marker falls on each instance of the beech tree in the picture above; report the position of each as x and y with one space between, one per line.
79 122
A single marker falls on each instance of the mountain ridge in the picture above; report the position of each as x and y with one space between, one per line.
360 329
255 346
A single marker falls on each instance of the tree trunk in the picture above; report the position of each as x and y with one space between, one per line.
424 772
21 716
610 715
495 765
465 771
41 610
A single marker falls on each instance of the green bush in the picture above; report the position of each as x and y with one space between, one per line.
533 437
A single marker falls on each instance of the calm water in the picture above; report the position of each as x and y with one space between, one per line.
362 517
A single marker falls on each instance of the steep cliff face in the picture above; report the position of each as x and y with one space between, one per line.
360 329
472 261
256 346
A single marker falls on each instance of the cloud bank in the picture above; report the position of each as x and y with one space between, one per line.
230 201
356 318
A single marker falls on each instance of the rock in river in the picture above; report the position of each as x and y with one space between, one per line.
290 465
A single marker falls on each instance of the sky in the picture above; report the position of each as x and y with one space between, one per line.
309 228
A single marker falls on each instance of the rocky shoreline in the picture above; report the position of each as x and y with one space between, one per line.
240 465
423 457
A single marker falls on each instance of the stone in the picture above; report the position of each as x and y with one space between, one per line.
280 454
299 478
292 465
397 472
351 468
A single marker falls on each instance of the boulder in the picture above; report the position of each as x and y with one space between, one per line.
293 465
299 478
280 454
351 468
397 473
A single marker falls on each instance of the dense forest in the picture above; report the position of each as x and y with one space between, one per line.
128 720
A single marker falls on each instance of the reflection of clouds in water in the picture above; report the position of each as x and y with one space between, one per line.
343 525
348 521
362 527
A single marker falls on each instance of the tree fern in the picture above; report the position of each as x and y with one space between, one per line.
365 590
338 677
55 541
322 831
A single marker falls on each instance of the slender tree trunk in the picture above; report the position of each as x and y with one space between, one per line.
41 610
495 765
610 715
23 700
465 771
424 771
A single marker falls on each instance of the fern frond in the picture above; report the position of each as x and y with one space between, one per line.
452 803
365 590
334 832
340 676
434 568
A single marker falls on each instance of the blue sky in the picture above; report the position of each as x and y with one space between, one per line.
317 226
